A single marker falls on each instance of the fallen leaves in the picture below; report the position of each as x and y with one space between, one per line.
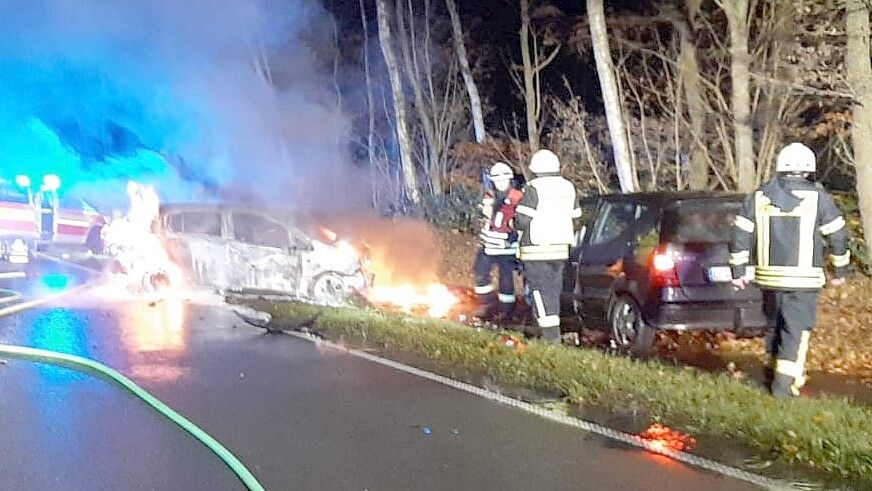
840 342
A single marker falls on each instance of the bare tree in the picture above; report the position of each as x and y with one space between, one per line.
611 100
698 172
413 75
571 139
533 61
436 86
466 71
859 73
738 12
410 177
370 131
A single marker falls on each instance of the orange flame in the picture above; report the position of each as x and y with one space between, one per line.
329 234
403 258
436 298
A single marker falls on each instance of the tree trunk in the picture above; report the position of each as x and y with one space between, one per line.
530 99
740 100
471 87
698 172
609 86
859 73
370 133
413 75
410 177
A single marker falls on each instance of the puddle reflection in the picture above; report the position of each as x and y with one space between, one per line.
153 335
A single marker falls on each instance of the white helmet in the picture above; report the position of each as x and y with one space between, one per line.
501 170
795 157
544 162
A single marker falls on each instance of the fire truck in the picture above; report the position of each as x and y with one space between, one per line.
19 231
41 218
66 221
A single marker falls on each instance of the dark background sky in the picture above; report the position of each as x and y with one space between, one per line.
491 28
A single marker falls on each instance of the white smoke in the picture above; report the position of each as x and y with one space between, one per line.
174 93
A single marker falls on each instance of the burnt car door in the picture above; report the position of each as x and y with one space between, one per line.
606 247
262 253
195 242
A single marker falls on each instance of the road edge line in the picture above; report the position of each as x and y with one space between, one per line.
554 416
20 307
68 263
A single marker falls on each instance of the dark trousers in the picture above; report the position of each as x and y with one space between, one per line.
506 266
791 316
544 284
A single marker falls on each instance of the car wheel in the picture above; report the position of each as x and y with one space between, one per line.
628 330
329 289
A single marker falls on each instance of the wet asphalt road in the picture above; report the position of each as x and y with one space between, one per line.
299 416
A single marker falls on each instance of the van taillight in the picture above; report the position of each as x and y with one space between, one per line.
663 268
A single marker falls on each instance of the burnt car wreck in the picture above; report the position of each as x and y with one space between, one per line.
237 249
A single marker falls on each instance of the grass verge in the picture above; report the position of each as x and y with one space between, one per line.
832 436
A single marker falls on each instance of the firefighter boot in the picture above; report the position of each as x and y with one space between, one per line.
506 309
783 387
551 335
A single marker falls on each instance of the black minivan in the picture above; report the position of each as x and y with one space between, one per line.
659 261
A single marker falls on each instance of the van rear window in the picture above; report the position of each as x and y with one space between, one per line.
700 222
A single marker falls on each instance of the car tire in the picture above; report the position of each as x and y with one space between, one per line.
328 288
627 328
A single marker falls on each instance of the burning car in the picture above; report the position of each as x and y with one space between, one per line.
238 248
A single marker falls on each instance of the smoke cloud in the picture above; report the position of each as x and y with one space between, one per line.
172 93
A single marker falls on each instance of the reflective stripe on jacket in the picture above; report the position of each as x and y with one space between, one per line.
782 229
545 217
498 237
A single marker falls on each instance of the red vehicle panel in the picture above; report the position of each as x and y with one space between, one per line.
17 219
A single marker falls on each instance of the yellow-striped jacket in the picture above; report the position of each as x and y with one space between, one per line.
782 231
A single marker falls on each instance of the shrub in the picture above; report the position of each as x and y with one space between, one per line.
860 257
457 209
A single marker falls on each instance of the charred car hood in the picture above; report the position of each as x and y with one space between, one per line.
340 258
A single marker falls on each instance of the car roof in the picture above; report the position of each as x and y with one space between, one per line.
282 217
216 207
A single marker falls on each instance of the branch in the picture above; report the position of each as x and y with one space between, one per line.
549 59
804 88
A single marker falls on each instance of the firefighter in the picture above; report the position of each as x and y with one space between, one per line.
782 230
499 243
545 225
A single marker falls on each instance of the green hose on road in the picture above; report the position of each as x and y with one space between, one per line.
85 365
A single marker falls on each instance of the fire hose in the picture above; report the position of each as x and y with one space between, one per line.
86 365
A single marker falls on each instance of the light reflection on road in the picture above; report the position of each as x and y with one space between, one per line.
60 330
154 335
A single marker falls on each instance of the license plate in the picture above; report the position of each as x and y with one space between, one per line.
720 274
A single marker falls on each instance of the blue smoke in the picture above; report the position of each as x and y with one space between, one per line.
164 92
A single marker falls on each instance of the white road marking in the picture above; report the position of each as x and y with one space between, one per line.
557 417
14 309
